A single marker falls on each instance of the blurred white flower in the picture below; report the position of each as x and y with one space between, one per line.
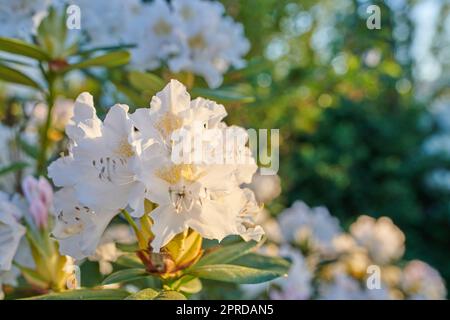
20 18
439 179
314 226
107 251
156 34
384 241
39 195
62 112
111 29
438 144
344 287
265 187
298 283
213 42
270 226
11 231
422 282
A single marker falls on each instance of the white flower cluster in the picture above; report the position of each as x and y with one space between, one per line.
186 35
330 264
315 226
126 159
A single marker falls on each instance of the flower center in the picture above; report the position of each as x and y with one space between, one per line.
173 174
162 28
124 150
197 42
168 123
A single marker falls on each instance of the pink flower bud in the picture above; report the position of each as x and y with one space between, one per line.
39 194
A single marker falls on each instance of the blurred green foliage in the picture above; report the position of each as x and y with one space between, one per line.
351 120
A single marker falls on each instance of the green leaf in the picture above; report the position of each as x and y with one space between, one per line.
259 261
22 48
14 76
146 294
29 149
225 254
130 260
222 95
130 248
83 52
170 295
235 274
144 81
52 33
85 294
191 286
108 60
32 276
125 275
151 294
13 167
187 284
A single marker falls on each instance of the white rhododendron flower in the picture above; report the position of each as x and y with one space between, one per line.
213 42
120 162
157 35
298 284
19 18
78 228
266 187
300 224
344 287
11 231
193 36
111 29
420 281
382 238
190 195
99 163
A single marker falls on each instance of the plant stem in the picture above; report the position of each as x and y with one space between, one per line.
44 141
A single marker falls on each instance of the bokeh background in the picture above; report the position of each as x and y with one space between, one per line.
356 108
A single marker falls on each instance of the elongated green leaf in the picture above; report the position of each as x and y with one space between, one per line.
151 294
83 52
259 261
130 248
29 149
13 167
14 76
146 294
125 275
145 81
225 254
130 260
222 95
235 274
22 48
85 294
108 60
